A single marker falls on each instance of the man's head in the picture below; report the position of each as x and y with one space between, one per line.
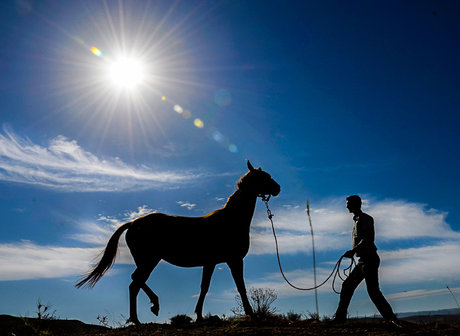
354 203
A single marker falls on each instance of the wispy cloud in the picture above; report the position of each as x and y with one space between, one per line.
98 232
64 165
422 293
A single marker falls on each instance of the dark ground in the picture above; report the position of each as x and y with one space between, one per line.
420 325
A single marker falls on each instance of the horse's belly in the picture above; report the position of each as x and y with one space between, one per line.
200 255
188 255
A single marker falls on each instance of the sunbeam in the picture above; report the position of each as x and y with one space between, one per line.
126 72
117 72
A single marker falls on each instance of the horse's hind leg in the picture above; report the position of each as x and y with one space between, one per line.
139 277
205 281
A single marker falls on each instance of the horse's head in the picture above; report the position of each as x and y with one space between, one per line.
259 182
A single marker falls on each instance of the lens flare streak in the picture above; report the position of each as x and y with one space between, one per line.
213 133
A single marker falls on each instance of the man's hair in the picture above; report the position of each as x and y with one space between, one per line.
354 199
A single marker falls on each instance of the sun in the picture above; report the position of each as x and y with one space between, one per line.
126 72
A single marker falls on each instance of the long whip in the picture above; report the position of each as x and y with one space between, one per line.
453 296
314 257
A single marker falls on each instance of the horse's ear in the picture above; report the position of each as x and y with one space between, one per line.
250 167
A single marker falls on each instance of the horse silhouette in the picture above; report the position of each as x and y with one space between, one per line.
221 236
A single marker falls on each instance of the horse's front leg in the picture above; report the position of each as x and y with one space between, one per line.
205 281
236 267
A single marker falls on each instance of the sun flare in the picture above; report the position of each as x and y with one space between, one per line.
126 72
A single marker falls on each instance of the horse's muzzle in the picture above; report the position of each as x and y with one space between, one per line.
276 189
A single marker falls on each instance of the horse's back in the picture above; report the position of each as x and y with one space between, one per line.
184 241
163 232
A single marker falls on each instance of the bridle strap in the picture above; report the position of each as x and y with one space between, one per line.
265 198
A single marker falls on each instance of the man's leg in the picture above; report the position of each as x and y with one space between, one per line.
348 288
372 283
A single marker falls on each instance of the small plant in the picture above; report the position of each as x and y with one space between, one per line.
39 324
44 311
103 321
326 318
180 320
261 300
293 317
312 316
111 323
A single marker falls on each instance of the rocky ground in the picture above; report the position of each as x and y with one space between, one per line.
428 325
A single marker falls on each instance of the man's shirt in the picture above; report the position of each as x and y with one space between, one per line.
363 235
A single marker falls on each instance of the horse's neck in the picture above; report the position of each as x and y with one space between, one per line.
241 203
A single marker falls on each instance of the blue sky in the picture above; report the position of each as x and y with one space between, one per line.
331 98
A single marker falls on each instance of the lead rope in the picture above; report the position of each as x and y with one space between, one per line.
335 271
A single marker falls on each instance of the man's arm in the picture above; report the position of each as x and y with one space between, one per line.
356 249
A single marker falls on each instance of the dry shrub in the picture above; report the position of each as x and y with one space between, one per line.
180 320
261 300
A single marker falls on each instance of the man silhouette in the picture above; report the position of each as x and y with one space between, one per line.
367 267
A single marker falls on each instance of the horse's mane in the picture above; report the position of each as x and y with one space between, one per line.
241 183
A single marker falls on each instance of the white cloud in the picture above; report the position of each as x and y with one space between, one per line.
186 204
432 264
139 212
434 259
26 260
437 262
332 224
64 165
403 220
299 278
93 233
98 233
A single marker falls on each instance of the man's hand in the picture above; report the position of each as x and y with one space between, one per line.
349 254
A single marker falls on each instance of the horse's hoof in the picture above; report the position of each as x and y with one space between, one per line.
155 309
213 319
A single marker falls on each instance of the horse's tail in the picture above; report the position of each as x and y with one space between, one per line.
107 260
